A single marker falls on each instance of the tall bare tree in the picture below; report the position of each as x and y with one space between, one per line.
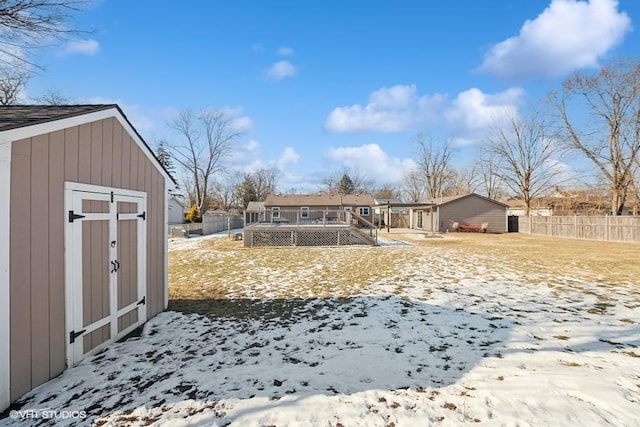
600 118
27 24
489 179
12 81
522 153
434 161
203 142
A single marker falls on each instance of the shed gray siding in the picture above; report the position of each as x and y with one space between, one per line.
473 209
103 153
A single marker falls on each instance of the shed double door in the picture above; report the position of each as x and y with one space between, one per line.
105 248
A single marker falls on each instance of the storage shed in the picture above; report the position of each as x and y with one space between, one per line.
83 238
471 209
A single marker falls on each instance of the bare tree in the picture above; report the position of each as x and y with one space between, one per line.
434 164
461 181
203 142
522 153
414 187
224 191
387 191
12 81
609 135
53 97
265 181
27 24
489 179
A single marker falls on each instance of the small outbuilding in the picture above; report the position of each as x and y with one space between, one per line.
176 210
83 238
470 209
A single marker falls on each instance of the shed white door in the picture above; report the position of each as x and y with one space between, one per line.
105 241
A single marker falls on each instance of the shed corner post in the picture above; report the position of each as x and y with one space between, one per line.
166 244
5 300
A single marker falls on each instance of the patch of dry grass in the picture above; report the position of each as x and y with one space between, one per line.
605 262
220 269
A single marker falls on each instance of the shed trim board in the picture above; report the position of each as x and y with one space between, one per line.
165 245
5 302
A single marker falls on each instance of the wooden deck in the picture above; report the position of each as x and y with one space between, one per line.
326 234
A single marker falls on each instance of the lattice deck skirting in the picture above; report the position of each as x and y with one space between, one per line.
257 236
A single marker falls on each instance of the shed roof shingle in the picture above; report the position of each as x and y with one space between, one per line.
17 116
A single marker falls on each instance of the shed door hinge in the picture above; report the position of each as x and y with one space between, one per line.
143 301
143 215
73 335
74 216
112 197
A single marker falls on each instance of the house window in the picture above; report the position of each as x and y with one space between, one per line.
304 212
348 209
275 212
364 211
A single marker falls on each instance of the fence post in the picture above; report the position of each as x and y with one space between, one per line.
606 227
575 226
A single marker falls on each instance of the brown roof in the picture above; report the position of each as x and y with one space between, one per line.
17 116
319 200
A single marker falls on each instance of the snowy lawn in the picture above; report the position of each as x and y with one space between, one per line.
490 329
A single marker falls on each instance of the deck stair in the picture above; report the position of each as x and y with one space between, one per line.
363 230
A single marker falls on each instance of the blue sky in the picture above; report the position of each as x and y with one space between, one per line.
318 86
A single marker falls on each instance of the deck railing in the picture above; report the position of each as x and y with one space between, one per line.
302 218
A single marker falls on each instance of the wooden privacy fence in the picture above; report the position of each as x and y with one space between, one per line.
607 228
209 225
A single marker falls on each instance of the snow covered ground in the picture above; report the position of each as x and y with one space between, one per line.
447 341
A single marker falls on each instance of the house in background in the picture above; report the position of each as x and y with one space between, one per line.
279 206
310 220
176 210
83 238
439 215
516 207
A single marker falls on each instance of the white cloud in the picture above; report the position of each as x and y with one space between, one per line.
400 108
567 35
372 161
281 69
239 121
473 112
285 51
288 156
391 109
252 146
84 47
562 173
